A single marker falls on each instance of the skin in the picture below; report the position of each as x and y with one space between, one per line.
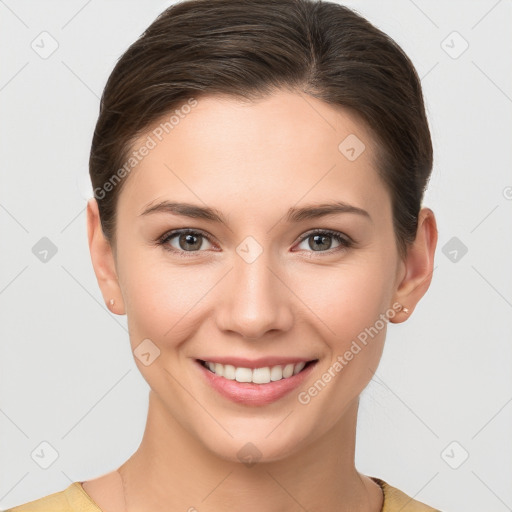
252 162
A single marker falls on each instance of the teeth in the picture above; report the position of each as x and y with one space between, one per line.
298 368
276 373
257 375
242 374
287 371
261 375
229 372
219 369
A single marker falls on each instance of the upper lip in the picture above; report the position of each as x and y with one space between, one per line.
261 362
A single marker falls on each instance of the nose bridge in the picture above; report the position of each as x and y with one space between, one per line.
254 301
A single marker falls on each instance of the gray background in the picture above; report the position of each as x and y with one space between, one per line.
443 390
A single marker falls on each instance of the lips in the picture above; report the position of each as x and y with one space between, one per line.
254 384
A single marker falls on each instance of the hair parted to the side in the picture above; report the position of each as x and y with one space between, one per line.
248 49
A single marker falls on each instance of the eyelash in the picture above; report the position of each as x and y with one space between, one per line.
344 241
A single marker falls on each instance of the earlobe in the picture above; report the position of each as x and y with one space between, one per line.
103 261
419 265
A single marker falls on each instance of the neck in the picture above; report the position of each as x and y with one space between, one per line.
171 470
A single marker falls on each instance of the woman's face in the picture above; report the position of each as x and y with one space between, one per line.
258 287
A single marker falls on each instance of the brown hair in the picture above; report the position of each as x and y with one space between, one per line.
248 49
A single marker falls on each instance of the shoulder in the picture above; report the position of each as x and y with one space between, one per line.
395 500
71 499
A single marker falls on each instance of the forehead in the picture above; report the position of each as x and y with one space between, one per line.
279 149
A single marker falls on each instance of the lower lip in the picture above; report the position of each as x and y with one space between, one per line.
248 393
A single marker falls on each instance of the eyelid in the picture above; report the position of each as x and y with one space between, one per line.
331 232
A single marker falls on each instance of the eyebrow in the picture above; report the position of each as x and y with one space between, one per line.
313 211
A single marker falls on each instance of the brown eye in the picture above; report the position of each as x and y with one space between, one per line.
190 242
322 241
184 241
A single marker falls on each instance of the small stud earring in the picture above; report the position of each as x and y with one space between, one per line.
405 310
112 302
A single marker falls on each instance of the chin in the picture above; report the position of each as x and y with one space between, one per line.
256 442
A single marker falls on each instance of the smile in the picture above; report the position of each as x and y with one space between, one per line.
255 383
262 375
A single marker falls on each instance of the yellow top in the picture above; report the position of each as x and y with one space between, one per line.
75 499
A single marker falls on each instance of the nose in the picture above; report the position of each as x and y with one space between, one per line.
254 299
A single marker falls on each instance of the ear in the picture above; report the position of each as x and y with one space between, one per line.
103 260
418 265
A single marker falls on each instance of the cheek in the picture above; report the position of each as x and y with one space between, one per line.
348 302
163 299
345 298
